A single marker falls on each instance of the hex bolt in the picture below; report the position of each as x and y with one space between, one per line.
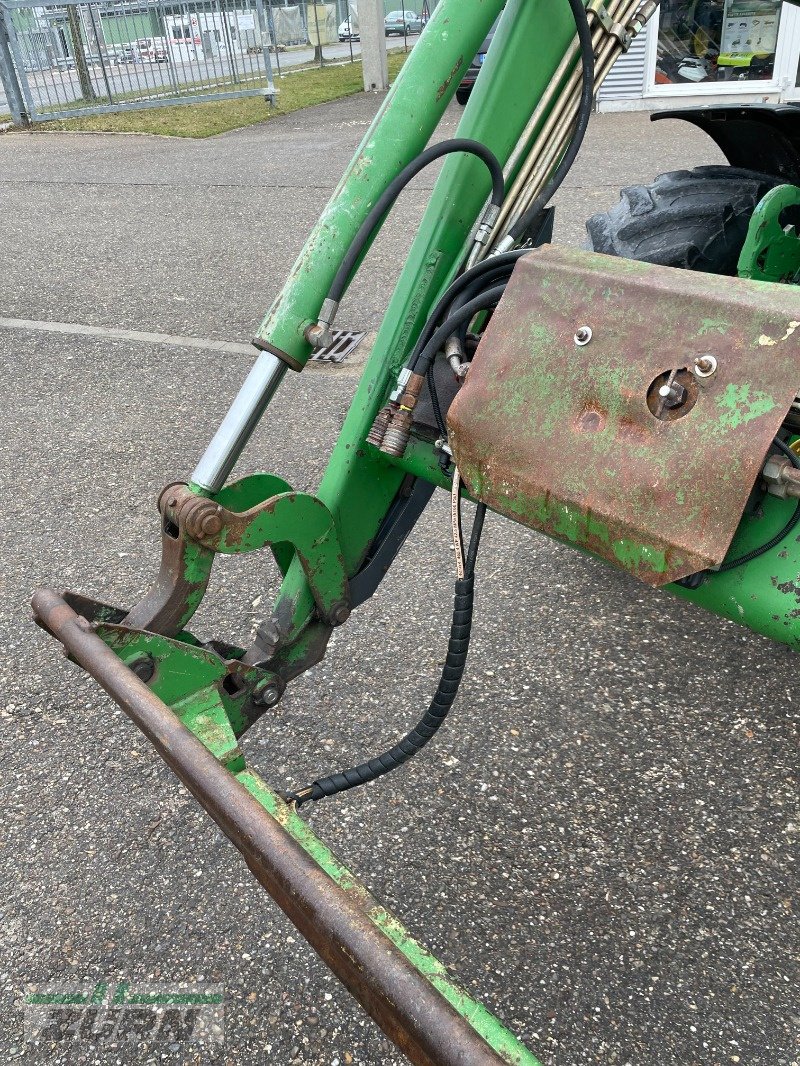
705 366
339 613
673 394
269 695
583 335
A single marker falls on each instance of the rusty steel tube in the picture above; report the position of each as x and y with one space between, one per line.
560 132
553 136
336 923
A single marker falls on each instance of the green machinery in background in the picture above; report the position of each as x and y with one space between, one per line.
641 412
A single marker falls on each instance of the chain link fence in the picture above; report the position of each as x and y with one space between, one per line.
63 60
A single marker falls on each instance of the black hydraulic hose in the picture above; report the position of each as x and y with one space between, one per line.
584 114
441 425
421 361
485 267
489 298
782 533
492 278
441 703
396 186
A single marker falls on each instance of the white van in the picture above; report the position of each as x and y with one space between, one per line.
153 49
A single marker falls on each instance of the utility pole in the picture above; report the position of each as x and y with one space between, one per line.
81 66
372 31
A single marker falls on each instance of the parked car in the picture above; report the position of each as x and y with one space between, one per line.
153 49
465 88
402 23
124 53
348 31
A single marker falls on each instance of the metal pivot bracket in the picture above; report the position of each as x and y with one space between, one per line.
598 10
771 251
256 512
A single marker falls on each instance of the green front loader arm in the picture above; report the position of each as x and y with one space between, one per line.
195 699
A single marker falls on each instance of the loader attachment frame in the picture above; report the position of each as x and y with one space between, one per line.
193 697
403 987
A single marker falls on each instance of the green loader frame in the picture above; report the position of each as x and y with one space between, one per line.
195 699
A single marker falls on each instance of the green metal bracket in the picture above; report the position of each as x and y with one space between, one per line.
256 512
293 524
211 694
771 251
403 986
247 493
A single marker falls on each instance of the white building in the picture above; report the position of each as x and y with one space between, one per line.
709 52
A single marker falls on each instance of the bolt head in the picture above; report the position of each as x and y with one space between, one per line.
673 395
269 696
340 612
211 523
144 669
583 335
705 366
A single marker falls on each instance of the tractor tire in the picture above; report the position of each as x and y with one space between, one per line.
692 219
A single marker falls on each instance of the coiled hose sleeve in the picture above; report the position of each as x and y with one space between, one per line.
441 703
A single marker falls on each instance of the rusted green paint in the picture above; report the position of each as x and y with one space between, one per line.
188 678
771 251
197 563
249 492
305 523
359 483
504 1043
400 131
541 421
204 712
740 404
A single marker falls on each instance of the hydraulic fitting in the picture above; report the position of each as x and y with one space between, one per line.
400 387
454 353
395 438
782 478
319 335
382 420
486 224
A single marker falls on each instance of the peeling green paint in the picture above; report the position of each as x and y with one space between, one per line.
504 1043
714 325
737 406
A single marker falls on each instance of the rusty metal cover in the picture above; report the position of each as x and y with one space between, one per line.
575 440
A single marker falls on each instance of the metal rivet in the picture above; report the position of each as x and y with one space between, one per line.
583 335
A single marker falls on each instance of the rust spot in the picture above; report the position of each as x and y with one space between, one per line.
591 421
446 83
790 588
563 439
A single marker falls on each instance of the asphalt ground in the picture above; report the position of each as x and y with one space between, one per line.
598 842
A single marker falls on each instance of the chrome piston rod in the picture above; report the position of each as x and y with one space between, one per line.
227 444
